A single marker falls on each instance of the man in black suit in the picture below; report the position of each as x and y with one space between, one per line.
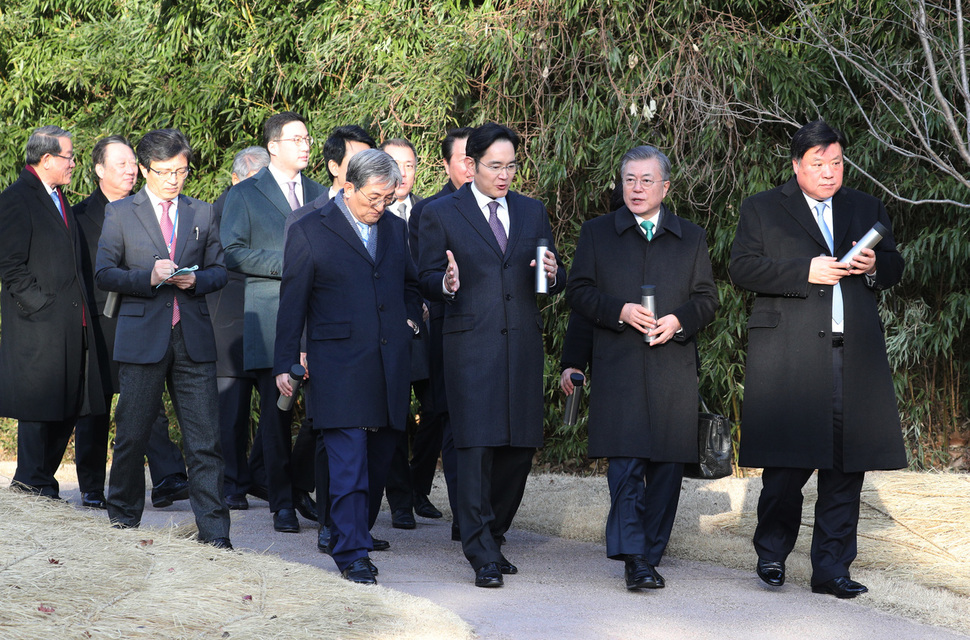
349 282
227 310
116 169
164 336
493 352
252 234
643 407
48 374
818 390
436 425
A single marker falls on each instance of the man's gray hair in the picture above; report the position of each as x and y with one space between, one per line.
249 160
646 152
373 164
42 141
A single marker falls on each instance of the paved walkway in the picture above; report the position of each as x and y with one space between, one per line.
569 590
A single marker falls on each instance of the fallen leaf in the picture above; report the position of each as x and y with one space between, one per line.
46 608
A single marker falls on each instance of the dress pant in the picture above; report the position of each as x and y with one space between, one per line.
358 460
91 450
275 438
834 534
235 400
491 481
417 449
643 504
40 448
192 387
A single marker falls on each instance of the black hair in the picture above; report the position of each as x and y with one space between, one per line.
815 134
163 144
335 148
485 136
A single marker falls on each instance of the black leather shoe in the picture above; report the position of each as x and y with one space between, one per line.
455 532
506 567
424 508
659 579
488 575
237 502
285 521
403 519
258 491
841 587
169 490
93 500
323 540
359 572
373 567
640 574
380 545
771 572
305 505
220 543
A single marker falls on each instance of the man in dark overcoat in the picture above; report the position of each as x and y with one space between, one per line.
349 280
818 387
643 403
48 374
492 337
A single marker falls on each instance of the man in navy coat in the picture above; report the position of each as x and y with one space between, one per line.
492 338
252 226
164 336
349 280
818 389
643 404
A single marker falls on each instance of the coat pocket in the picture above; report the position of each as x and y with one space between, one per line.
764 320
458 323
330 331
132 309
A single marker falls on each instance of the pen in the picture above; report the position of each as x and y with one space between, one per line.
196 233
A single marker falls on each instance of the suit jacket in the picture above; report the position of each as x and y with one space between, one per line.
89 214
493 351
355 310
130 240
227 311
787 413
252 234
42 308
313 205
643 402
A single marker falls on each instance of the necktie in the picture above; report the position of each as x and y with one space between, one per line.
648 229
496 226
57 203
293 200
402 211
168 234
837 311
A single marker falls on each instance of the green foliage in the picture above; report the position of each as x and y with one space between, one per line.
581 80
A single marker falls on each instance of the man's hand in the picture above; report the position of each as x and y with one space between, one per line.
666 327
637 317
865 262
283 384
565 383
184 281
162 270
425 312
451 273
825 270
306 376
549 264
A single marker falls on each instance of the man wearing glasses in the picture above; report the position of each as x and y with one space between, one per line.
45 315
253 221
492 336
160 250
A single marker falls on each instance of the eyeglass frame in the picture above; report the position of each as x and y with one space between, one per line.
298 140
165 174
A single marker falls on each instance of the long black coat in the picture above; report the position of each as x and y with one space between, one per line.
493 360
643 399
787 414
42 303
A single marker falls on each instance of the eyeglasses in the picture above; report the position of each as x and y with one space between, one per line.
646 183
69 157
298 140
375 200
498 169
165 174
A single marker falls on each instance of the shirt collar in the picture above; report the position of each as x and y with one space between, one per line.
283 181
483 199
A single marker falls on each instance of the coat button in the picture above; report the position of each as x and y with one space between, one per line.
168 304
821 334
508 296
507 265
380 307
505 332
377 274
383 340
821 294
74 304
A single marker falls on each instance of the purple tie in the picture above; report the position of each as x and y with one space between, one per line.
496 225
168 236
294 201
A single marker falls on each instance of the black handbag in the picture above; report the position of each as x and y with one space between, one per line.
715 451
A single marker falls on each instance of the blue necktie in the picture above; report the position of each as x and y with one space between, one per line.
648 229
837 314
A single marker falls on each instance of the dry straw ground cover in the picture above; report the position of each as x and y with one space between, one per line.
66 575
914 534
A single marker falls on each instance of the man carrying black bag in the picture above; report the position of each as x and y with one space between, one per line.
643 407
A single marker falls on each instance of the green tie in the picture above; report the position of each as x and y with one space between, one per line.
648 229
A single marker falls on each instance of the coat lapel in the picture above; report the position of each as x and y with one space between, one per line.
267 185
796 206
186 230
516 221
468 207
841 208
333 218
146 215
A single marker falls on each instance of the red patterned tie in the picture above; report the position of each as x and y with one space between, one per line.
169 236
